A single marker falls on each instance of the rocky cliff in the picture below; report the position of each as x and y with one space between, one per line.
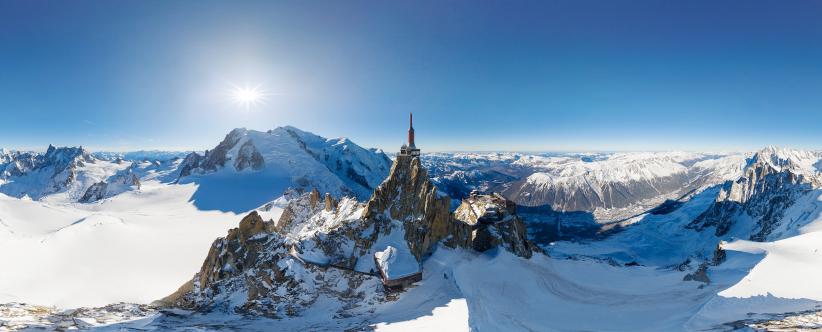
324 247
252 271
408 196
491 221
756 203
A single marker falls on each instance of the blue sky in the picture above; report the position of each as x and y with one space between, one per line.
478 75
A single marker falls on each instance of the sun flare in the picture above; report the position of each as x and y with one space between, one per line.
247 96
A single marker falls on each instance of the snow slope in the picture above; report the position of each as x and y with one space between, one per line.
134 247
250 168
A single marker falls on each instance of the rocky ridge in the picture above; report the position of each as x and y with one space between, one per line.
756 202
39 174
321 246
121 181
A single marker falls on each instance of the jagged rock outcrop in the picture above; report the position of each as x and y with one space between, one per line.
719 255
190 162
327 247
330 203
769 186
39 174
126 178
117 183
406 211
491 221
249 157
407 196
299 210
94 193
252 271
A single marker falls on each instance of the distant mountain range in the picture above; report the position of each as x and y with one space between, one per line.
251 166
610 185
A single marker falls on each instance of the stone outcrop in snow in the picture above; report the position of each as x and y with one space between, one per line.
120 182
492 221
249 157
95 192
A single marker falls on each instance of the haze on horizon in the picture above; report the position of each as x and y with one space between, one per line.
530 76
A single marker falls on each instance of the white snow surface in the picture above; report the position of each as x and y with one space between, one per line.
135 247
396 264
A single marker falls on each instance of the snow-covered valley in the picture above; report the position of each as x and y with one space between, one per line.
719 242
135 247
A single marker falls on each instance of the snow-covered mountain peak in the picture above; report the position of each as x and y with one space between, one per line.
798 161
574 182
38 174
619 168
284 157
64 156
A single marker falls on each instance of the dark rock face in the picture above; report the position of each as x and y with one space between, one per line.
700 275
95 192
490 221
117 183
763 193
192 161
249 157
720 214
719 255
216 158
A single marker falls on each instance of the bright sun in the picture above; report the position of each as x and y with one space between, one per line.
248 96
